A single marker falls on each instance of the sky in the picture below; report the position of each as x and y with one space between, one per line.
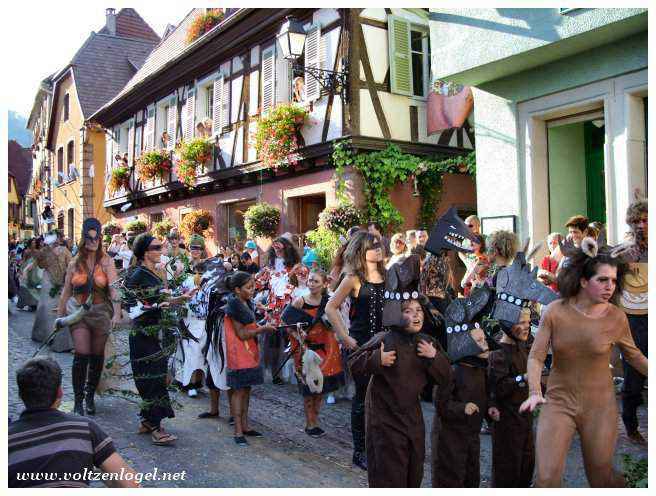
43 37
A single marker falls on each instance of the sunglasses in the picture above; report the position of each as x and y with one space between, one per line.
470 226
400 242
195 247
375 246
92 239
155 248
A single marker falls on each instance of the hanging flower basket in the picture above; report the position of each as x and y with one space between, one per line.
120 179
277 135
261 220
152 165
196 222
340 218
162 228
111 228
192 155
204 23
136 226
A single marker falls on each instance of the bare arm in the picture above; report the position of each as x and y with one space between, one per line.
245 334
114 464
345 288
536 357
67 290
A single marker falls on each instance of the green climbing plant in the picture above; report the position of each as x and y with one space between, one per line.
381 171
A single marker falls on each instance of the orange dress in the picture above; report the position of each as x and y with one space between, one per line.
580 393
243 357
322 341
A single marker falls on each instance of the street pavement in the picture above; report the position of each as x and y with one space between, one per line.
284 457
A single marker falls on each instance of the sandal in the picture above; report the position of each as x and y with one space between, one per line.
161 438
146 427
208 415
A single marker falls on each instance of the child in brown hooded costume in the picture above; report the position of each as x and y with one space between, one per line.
461 403
513 454
401 362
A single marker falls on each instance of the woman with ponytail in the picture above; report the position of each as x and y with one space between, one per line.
149 363
243 353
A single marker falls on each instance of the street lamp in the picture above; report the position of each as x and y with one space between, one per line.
291 38
292 42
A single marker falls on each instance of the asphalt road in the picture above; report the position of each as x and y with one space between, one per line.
284 457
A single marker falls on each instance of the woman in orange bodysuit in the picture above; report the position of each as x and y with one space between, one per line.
91 332
581 328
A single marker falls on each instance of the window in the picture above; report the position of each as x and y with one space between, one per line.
155 218
409 56
419 53
60 165
70 158
71 223
209 109
66 106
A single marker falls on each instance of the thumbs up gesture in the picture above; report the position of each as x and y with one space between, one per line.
387 358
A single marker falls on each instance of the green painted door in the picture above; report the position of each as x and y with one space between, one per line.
595 138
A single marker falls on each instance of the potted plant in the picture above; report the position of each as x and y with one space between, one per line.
196 222
340 218
111 228
277 135
204 23
120 178
162 228
261 220
136 227
154 164
192 155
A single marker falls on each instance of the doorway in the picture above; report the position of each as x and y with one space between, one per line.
576 180
308 209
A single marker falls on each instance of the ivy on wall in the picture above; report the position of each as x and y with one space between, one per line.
381 171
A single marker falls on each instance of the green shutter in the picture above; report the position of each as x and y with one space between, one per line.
399 50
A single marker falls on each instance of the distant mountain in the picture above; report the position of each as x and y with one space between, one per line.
17 130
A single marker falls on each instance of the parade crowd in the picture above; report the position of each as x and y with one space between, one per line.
473 323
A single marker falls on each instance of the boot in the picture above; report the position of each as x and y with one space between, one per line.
95 370
79 373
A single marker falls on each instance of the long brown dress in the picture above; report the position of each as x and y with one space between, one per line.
580 393
513 446
395 433
455 437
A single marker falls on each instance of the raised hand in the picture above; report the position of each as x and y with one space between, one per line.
426 350
471 408
387 358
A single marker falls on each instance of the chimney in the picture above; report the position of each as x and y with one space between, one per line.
111 20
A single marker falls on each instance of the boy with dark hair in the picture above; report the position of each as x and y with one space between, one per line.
576 228
45 441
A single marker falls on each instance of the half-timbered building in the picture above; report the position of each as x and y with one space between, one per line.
235 73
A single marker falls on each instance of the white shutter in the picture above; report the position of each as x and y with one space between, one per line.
171 123
312 59
268 78
149 135
399 52
190 106
109 159
217 111
283 77
130 142
225 103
